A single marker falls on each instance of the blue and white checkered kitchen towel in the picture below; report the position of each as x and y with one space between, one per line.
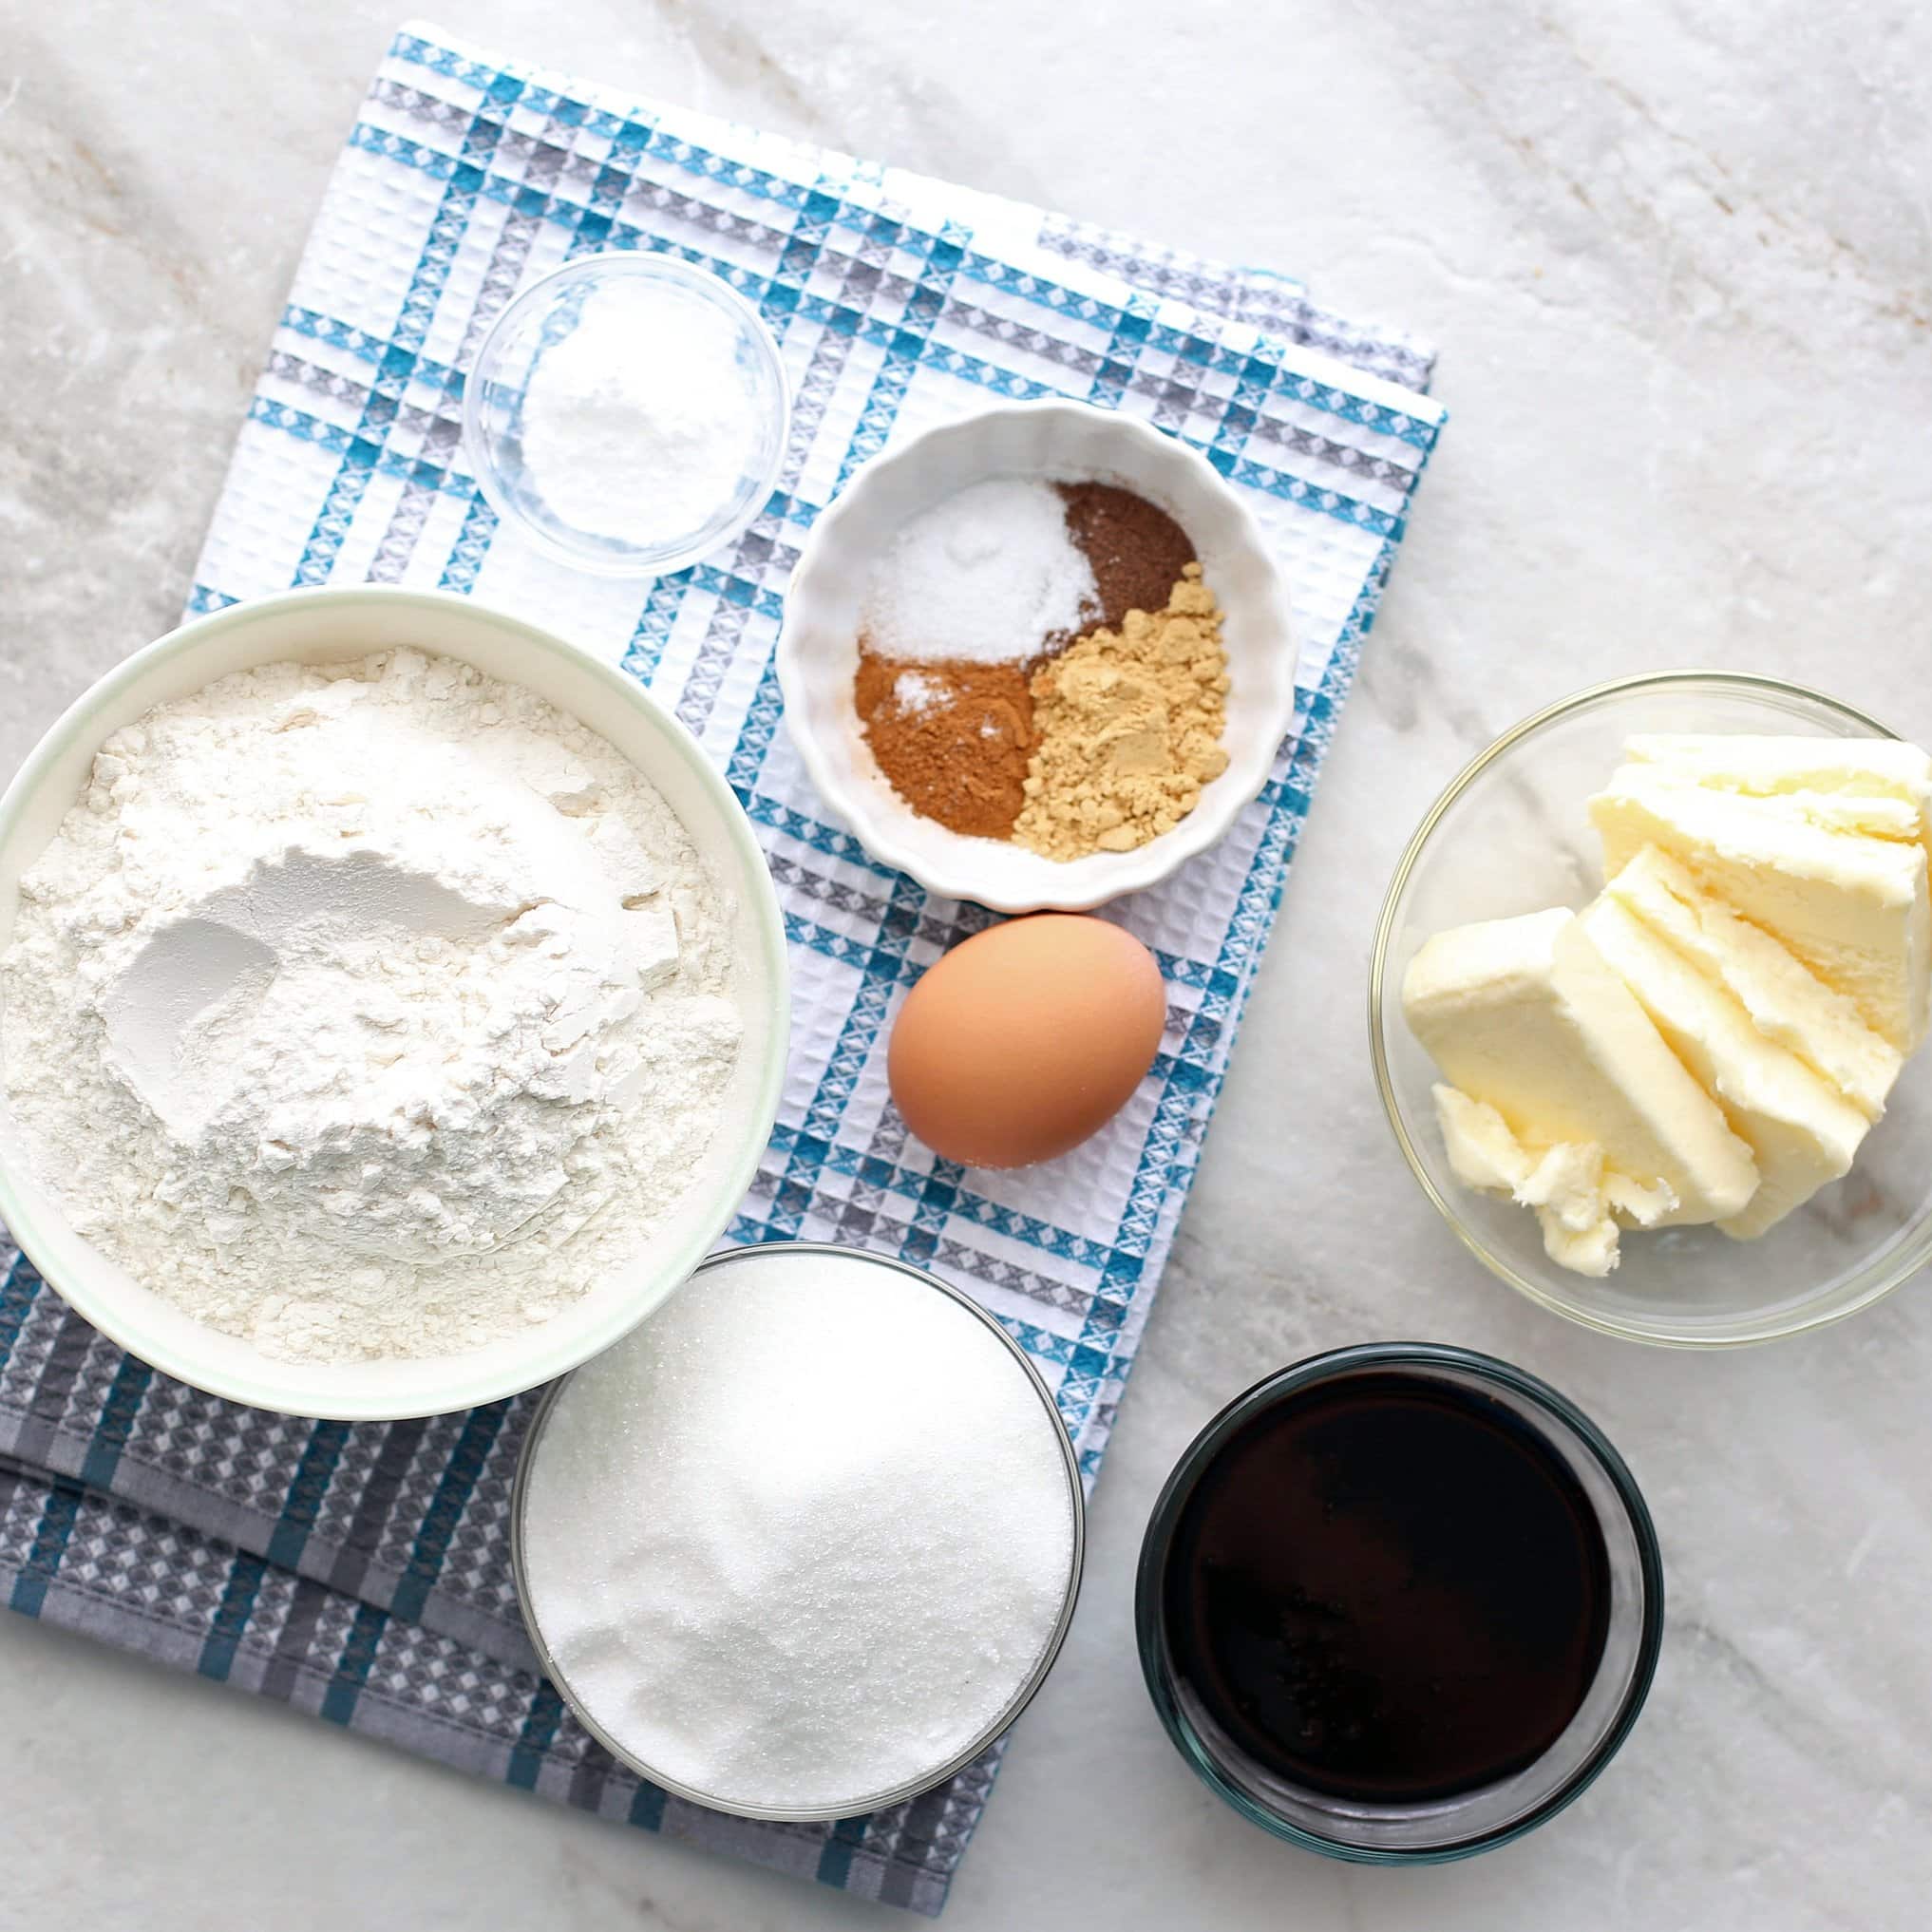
362 1572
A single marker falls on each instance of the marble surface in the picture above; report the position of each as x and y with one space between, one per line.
1680 262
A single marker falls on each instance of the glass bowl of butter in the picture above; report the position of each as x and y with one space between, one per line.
1645 1005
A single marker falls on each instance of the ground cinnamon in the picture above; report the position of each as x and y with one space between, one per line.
951 738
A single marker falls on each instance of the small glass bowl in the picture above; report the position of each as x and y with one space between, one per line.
1511 835
1489 1815
543 315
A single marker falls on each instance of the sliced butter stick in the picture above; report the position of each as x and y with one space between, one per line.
1853 907
1863 767
1523 1016
1788 1003
1801 1131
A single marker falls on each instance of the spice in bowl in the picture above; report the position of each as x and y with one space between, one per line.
1126 728
954 739
1041 662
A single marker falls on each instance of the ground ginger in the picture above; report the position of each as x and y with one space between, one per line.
1126 728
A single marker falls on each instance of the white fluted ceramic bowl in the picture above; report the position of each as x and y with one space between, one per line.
818 650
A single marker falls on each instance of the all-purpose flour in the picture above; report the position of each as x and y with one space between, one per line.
369 1012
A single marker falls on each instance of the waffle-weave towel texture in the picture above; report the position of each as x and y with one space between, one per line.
362 1572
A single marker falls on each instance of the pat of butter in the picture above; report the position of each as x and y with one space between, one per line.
1787 1003
1525 1016
1801 1131
1884 768
1576 1198
1805 866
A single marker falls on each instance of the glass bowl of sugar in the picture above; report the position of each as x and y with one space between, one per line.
629 413
805 1545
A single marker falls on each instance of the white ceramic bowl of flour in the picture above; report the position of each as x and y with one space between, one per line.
335 627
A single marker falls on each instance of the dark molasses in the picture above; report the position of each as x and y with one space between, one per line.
1387 1589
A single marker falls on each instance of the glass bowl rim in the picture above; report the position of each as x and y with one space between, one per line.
1307 1373
648 264
1873 1281
865 1803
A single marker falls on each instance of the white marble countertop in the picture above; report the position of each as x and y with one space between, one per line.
1679 263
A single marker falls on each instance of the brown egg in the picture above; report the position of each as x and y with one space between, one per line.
1025 1039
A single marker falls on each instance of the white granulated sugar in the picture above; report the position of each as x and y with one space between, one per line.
640 425
367 1013
801 1538
987 576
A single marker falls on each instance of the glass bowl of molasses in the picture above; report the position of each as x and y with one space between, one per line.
1399 1603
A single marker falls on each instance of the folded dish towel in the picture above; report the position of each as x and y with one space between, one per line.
362 1572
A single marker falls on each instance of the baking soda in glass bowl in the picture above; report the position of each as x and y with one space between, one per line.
804 1543
629 412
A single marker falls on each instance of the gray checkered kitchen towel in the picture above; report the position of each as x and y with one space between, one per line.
362 1572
